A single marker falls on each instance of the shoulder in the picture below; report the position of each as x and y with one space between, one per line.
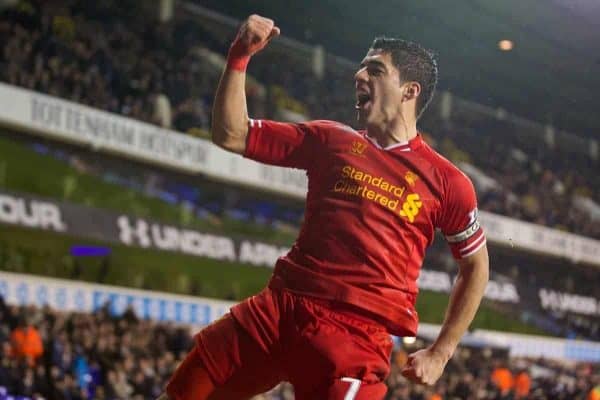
450 174
327 127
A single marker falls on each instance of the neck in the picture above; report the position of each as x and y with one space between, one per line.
398 132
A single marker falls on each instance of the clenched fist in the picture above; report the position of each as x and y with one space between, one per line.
253 36
425 366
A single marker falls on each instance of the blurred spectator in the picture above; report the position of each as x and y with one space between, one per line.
503 379
522 385
26 342
162 111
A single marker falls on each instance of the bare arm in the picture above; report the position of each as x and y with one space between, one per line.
230 114
465 298
427 365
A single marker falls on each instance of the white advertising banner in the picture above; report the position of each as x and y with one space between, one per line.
76 296
65 120
440 281
535 346
568 302
537 238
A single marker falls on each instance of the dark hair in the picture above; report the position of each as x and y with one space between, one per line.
415 63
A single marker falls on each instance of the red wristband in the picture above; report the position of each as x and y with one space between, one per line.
238 63
238 57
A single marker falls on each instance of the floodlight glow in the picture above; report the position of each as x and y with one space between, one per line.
505 45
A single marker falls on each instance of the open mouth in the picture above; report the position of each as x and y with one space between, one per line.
362 100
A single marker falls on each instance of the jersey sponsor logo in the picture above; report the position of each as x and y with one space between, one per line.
411 178
366 185
363 184
358 148
349 172
411 207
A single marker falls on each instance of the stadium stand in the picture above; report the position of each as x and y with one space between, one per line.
56 48
166 75
121 363
103 55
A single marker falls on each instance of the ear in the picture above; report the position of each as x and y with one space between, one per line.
412 90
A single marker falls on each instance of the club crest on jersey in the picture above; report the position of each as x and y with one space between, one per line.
358 148
411 178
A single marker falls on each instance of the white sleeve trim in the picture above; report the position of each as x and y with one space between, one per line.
473 243
253 121
482 240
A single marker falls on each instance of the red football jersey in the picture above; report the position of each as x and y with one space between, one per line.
370 214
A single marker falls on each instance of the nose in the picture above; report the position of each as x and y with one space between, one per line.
361 75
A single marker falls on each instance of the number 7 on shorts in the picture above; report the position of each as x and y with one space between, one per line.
353 389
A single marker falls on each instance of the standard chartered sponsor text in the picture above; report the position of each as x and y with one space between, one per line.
352 183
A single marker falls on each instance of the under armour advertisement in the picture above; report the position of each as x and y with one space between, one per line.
93 223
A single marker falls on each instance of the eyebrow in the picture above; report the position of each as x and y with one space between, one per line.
373 62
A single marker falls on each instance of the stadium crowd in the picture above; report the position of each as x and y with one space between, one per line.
48 354
70 49
100 54
52 355
161 73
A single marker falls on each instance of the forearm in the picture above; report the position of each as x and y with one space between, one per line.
230 114
464 301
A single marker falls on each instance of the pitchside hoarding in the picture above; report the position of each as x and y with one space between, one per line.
74 296
71 122
92 223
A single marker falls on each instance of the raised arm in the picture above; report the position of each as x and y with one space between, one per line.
230 114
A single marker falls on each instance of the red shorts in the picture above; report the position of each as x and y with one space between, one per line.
325 351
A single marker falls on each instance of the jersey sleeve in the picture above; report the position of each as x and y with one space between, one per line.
283 144
459 221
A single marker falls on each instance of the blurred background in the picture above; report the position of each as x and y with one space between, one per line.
123 230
